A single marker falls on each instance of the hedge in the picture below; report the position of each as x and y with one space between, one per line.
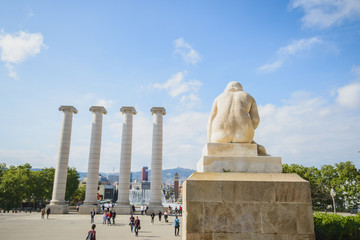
333 226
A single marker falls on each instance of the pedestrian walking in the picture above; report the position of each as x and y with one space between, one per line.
42 213
177 226
92 233
142 209
113 215
152 217
132 222
176 210
166 216
108 216
104 218
137 226
48 211
146 208
92 214
160 214
133 209
180 211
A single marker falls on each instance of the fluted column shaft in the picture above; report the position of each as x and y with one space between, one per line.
156 159
125 159
94 155
58 196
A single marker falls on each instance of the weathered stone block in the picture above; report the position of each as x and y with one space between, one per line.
247 206
292 192
257 164
204 192
279 218
230 149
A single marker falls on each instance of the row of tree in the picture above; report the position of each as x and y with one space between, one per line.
344 178
21 184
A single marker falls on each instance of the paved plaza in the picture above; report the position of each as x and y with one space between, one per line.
16 226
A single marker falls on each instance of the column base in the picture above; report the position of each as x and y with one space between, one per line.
57 208
155 207
123 209
87 208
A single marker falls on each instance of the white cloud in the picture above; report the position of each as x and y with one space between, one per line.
105 103
17 47
184 138
186 51
270 67
296 47
327 13
10 68
349 96
36 158
176 85
309 130
190 98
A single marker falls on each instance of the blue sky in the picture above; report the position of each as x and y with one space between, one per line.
299 59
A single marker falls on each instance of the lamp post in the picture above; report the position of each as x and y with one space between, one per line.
333 194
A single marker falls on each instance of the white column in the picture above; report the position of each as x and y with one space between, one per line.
122 203
94 160
156 160
57 203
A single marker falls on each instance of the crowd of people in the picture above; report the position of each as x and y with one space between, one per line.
134 222
107 216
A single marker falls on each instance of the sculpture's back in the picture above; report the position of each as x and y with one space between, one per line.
234 117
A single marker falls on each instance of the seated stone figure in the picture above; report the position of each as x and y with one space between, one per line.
234 116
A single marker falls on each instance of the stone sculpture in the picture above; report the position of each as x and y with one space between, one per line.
234 116
238 191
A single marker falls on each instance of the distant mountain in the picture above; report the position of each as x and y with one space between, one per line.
167 175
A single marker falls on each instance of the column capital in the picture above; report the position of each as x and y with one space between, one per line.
98 109
128 109
68 109
154 110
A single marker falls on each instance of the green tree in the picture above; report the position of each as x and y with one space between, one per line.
79 195
347 184
43 181
72 183
15 186
344 178
2 169
20 183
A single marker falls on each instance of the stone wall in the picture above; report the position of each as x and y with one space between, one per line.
247 206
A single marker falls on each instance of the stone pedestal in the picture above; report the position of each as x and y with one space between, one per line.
57 208
236 157
247 206
122 209
86 209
